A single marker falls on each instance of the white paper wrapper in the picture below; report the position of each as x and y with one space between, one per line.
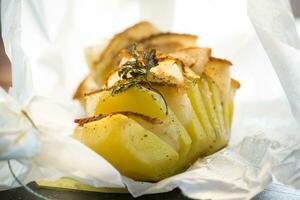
46 47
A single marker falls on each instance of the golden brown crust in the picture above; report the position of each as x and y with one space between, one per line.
235 84
111 73
168 42
190 48
151 120
107 59
224 61
167 34
130 35
193 57
86 84
218 70
179 62
96 91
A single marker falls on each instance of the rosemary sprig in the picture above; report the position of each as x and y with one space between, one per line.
135 71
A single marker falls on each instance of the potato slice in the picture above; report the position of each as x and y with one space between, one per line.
228 112
200 141
173 133
133 150
201 110
218 108
228 104
168 69
231 109
217 102
213 103
107 60
169 42
135 99
235 85
193 57
87 84
218 70
179 102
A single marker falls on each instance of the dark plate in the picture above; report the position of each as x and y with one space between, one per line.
64 194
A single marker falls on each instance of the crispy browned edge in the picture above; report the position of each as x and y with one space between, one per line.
227 62
187 49
111 43
191 48
80 89
151 120
194 48
235 84
163 34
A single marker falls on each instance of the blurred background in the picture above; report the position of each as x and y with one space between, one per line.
182 25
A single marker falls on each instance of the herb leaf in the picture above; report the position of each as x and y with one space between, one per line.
150 59
122 87
135 71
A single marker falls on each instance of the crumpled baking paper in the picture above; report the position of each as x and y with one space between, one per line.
45 47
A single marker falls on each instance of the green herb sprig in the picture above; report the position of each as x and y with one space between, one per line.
135 71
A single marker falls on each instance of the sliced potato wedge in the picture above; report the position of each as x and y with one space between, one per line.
173 133
133 150
217 110
201 111
179 102
135 99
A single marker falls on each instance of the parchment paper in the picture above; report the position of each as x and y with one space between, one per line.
45 41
